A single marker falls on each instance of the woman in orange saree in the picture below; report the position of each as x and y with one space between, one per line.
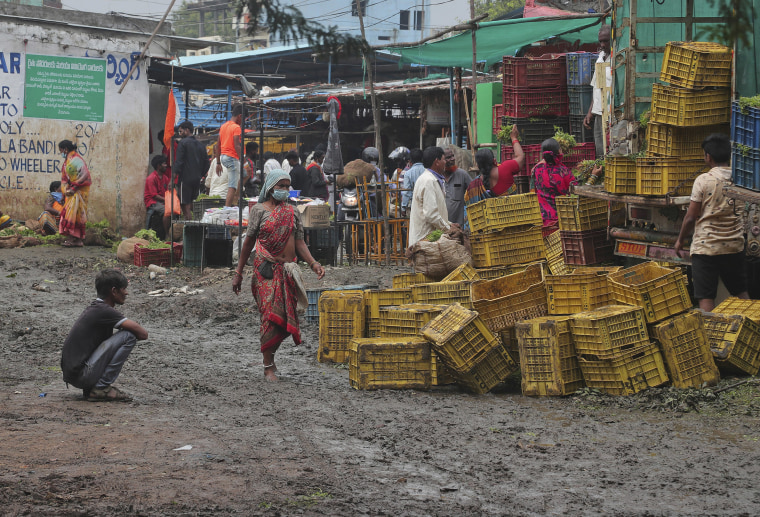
75 185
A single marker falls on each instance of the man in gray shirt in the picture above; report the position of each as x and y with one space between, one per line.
456 183
410 178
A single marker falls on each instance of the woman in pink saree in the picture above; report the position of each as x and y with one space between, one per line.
75 185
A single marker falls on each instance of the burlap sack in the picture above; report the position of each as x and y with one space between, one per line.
353 170
126 250
437 259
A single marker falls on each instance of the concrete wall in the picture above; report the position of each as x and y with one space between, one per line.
116 150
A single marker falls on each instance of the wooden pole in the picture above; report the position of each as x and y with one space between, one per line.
474 134
470 25
378 140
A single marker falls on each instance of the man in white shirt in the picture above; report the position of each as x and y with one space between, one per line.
428 205
594 116
270 163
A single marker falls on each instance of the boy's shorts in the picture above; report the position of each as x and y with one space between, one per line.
705 270
233 170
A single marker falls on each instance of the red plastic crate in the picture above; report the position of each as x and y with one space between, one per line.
532 156
538 72
160 257
582 151
586 247
497 114
535 102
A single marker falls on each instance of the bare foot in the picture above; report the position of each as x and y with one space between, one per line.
269 373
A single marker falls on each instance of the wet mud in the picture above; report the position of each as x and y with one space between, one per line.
310 444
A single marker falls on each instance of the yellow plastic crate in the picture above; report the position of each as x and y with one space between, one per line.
494 272
734 341
509 340
376 298
597 270
407 320
608 331
548 361
620 175
506 247
696 64
443 293
555 258
491 367
440 374
627 373
371 326
496 213
463 272
733 305
341 319
578 213
553 243
680 142
383 363
409 279
684 344
662 176
688 108
458 337
568 294
660 291
503 302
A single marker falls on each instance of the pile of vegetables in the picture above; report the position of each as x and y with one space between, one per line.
582 171
566 140
504 135
749 102
206 196
434 235
154 243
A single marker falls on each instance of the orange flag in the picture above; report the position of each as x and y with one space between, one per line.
171 117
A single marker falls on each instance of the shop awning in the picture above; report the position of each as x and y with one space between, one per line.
500 38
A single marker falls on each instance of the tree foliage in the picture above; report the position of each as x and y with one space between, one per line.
288 24
496 8
738 27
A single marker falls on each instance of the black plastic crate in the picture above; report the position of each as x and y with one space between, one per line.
218 232
534 130
201 205
218 253
580 98
579 131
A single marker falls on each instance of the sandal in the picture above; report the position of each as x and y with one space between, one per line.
108 394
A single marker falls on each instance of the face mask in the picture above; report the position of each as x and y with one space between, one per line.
280 195
64 155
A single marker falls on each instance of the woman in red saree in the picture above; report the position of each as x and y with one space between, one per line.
75 185
275 228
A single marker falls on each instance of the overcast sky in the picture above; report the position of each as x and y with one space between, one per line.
146 8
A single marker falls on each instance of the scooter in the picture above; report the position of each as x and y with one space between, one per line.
349 204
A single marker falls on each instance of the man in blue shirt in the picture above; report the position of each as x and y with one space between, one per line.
410 178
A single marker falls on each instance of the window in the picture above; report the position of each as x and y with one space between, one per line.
418 20
403 21
384 38
355 10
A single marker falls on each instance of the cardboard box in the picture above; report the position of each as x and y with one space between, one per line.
315 216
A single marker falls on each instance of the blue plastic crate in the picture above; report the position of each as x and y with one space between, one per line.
580 98
580 68
745 165
745 127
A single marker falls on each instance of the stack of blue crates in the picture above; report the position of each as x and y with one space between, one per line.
745 135
580 70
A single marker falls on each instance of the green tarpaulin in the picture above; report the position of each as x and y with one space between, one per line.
497 39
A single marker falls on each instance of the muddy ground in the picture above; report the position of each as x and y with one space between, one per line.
311 445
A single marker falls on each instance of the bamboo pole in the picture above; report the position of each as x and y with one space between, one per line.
469 25
378 141
474 135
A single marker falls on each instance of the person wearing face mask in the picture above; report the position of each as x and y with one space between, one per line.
275 228
75 185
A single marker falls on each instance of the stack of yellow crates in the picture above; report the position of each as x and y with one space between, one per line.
465 345
341 319
696 103
506 231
